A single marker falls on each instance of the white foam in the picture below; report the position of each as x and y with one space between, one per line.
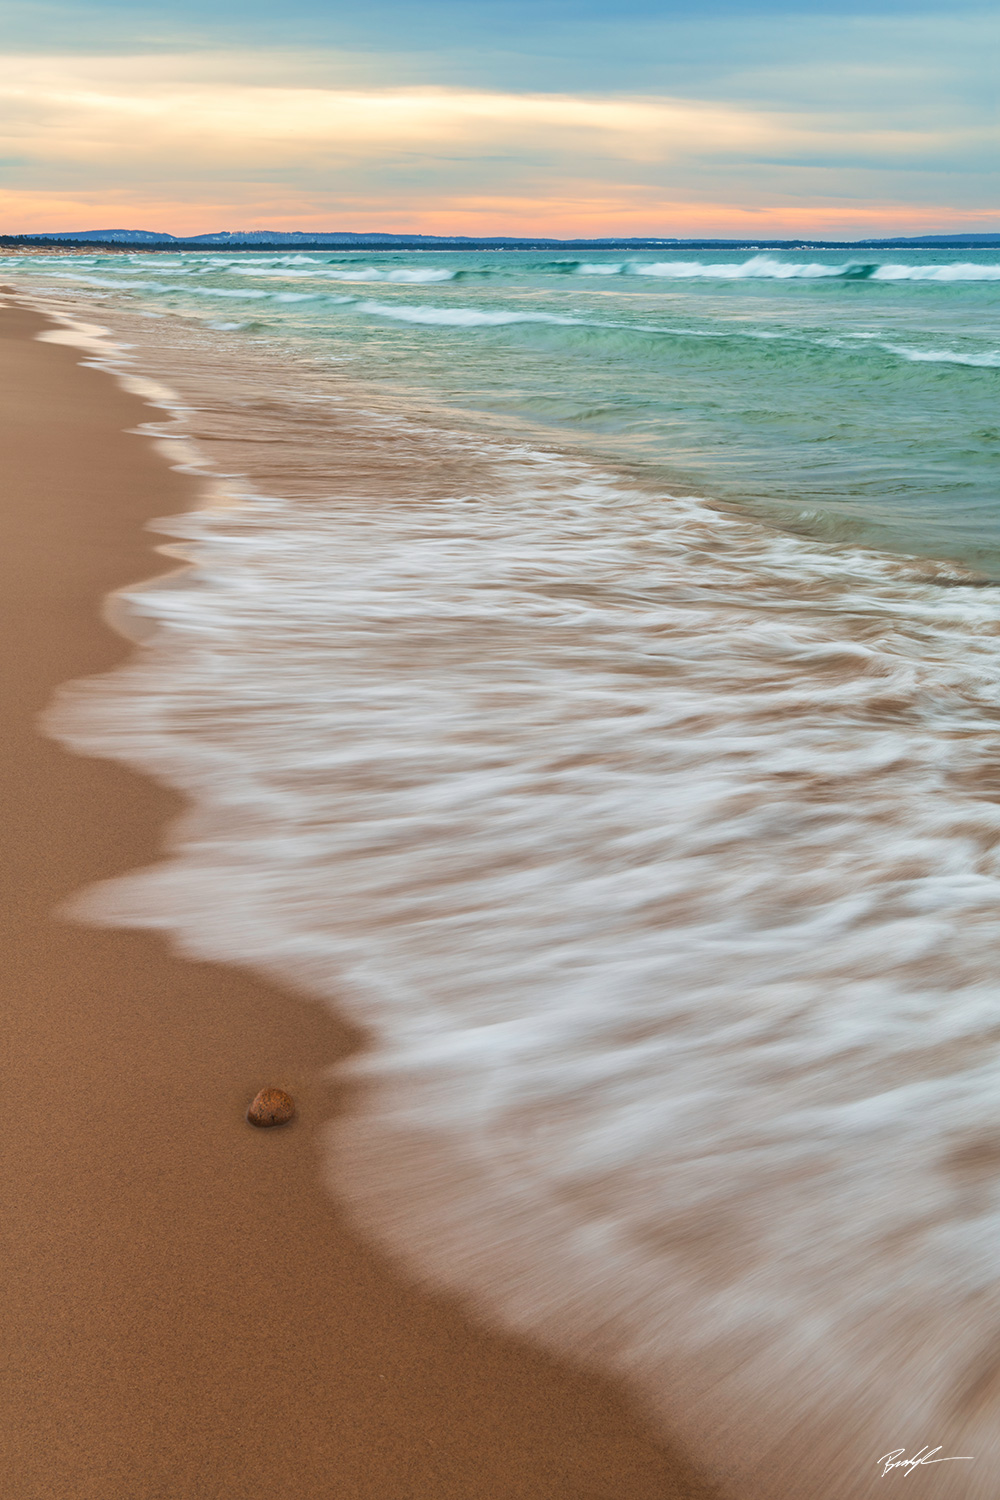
760 267
983 359
403 274
243 294
112 281
958 271
659 857
460 317
600 268
767 268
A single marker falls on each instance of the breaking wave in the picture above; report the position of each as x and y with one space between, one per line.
402 274
765 268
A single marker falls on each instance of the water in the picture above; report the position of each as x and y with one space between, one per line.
849 398
655 845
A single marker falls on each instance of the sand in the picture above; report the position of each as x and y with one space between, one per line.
187 1315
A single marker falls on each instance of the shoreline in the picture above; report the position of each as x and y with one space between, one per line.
188 1315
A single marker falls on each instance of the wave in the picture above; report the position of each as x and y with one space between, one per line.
239 293
469 317
766 268
115 282
617 330
987 359
473 317
283 260
964 271
464 317
159 287
401 274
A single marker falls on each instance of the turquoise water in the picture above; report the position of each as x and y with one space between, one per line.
849 398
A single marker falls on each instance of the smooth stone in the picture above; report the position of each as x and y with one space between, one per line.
271 1107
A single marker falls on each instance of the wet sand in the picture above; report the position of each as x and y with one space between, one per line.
187 1316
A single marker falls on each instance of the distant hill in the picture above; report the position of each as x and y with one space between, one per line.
949 239
237 237
347 240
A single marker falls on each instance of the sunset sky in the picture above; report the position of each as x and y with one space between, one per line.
838 118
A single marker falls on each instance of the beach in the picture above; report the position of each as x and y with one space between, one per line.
188 1315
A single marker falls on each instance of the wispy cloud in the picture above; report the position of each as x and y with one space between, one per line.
122 107
193 135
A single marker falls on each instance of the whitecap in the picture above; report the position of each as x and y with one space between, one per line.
460 317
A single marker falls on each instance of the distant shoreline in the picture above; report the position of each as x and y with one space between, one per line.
375 243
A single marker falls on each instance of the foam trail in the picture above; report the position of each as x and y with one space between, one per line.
461 317
983 360
657 854
405 275
766 268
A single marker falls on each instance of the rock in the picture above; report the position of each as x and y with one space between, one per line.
271 1107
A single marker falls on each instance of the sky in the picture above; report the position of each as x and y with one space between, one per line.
827 118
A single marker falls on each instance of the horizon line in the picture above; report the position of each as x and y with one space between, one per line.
276 236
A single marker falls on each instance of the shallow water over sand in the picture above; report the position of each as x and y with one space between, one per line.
849 395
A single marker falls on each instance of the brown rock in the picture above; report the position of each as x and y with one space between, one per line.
271 1107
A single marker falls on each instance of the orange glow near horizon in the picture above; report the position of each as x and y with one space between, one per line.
595 218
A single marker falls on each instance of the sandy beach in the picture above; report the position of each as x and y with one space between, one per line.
187 1315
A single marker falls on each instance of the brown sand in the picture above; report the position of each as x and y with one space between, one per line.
186 1315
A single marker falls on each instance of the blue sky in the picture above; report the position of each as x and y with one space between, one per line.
551 117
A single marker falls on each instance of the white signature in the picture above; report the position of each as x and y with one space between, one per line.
895 1459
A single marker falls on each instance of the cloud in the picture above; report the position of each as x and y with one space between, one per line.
107 110
264 134
117 108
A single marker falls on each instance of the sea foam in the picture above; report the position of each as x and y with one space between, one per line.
462 317
767 268
413 275
657 855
